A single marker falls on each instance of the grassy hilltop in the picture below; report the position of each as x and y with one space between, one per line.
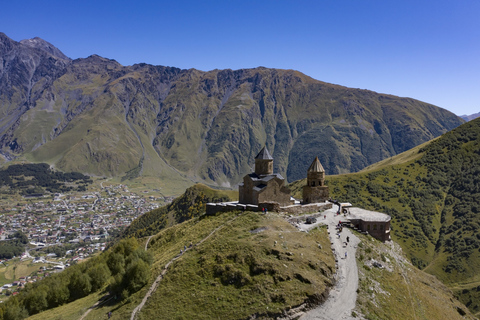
191 204
240 264
432 194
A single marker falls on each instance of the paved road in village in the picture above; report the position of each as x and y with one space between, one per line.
342 297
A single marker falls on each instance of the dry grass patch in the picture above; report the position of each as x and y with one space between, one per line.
253 264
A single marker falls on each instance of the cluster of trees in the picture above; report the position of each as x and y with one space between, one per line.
189 205
13 247
453 164
38 177
58 250
122 270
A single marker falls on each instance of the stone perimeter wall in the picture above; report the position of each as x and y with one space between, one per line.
214 208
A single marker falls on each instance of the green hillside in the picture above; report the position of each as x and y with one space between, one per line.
235 273
432 195
189 205
237 265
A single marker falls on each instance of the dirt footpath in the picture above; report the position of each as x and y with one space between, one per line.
343 295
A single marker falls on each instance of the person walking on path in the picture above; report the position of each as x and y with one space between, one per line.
345 254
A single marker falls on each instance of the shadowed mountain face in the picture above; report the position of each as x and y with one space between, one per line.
96 116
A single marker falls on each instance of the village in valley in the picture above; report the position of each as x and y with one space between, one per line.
64 229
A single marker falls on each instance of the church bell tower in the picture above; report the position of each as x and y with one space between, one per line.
263 162
315 190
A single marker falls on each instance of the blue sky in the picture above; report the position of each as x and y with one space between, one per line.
427 50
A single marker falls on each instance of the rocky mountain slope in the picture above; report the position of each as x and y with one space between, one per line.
432 194
96 116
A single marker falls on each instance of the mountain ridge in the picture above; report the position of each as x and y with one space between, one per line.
45 46
96 116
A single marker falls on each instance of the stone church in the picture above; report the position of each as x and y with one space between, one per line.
264 186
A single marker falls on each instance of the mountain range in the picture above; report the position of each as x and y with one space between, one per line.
95 116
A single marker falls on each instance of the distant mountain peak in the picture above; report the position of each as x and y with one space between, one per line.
4 36
46 46
470 117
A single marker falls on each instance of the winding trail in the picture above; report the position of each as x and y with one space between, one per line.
146 243
98 303
154 285
342 298
104 299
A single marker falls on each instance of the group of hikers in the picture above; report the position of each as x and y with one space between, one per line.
185 248
340 229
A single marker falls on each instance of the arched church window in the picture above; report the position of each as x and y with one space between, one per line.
313 183
374 227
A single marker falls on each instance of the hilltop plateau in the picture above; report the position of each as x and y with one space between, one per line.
95 116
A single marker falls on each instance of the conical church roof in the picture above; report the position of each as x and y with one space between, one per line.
316 166
264 154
